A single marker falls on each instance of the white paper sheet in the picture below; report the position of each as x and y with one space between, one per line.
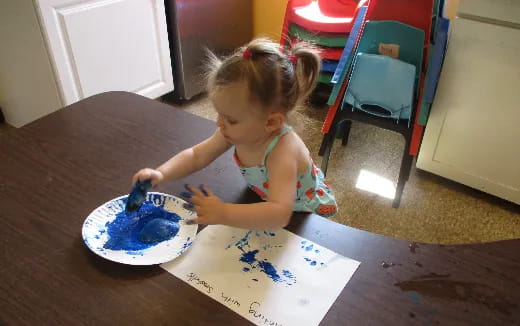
270 278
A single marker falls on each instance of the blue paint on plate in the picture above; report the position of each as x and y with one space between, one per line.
124 230
157 230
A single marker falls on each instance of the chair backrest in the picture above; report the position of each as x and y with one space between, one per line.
309 15
401 41
416 13
338 8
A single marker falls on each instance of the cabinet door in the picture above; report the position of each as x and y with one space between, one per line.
473 133
107 45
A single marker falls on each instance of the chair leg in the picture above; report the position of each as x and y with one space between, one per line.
327 148
346 132
404 173
324 141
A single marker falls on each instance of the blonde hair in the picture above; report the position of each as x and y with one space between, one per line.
274 79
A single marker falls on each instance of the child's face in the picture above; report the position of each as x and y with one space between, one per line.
239 120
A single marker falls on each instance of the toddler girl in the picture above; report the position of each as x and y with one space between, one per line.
252 91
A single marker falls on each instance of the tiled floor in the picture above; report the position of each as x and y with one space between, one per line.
433 209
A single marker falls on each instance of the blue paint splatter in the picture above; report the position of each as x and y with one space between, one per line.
287 274
309 247
240 244
185 245
311 261
316 251
249 257
269 269
131 252
123 231
269 246
265 266
415 297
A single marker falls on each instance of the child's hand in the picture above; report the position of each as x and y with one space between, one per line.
156 176
209 208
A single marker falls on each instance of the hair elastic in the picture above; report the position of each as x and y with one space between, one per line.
247 54
293 59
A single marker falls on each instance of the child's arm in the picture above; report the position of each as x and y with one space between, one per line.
274 213
188 161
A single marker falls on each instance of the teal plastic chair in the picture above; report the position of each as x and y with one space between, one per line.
379 84
382 86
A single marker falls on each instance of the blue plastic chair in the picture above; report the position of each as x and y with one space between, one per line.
434 68
438 12
329 66
347 55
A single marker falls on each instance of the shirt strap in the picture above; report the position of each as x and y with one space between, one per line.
274 142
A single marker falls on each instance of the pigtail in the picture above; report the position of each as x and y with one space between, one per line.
307 69
212 65
277 78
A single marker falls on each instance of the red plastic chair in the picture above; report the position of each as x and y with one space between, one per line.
309 15
417 13
337 8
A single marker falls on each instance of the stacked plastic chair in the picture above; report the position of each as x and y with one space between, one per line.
324 23
438 46
384 79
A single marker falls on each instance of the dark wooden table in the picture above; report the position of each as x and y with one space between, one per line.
55 171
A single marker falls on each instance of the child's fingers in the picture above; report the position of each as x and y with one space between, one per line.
194 190
186 195
196 200
189 206
136 177
192 221
142 175
207 191
202 190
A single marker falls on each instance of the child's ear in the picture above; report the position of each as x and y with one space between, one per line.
275 121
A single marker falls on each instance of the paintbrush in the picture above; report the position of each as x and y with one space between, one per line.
137 196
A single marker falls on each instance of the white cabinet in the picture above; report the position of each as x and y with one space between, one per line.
92 46
473 132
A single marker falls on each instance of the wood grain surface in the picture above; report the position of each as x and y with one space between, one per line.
56 170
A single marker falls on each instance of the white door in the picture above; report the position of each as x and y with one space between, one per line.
473 133
107 45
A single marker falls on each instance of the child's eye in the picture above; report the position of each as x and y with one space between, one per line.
232 122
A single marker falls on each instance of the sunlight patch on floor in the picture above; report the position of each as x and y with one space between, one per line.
376 184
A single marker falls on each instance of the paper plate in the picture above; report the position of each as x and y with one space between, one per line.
95 232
